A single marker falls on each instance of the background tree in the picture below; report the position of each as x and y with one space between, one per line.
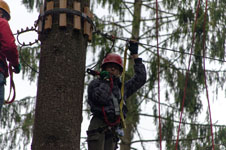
176 26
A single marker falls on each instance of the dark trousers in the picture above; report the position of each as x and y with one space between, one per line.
2 91
100 137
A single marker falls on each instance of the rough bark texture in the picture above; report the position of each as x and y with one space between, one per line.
132 117
58 113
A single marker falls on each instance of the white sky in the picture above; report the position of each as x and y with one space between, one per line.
21 18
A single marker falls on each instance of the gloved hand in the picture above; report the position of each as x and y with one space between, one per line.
17 68
133 47
104 75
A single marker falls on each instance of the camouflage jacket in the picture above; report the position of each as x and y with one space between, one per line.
101 95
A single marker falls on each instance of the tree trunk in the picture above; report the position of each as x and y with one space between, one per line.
132 116
58 113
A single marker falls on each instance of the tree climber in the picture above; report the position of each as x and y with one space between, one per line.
8 49
104 98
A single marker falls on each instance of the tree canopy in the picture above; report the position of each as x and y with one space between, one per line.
176 28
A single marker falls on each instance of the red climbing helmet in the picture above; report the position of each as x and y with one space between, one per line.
113 58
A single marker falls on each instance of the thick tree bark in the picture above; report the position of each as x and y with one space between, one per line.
58 113
132 116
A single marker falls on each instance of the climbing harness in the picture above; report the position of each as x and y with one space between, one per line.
116 105
90 71
117 122
115 101
12 87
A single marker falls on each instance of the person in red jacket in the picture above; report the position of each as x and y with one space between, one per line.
8 49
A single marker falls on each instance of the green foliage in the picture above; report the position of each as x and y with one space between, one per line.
30 4
179 25
153 73
176 26
16 124
222 137
192 103
185 16
29 57
116 6
167 130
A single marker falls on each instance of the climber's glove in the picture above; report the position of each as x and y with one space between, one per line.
133 47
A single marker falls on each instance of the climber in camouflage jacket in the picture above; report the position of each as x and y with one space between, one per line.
104 96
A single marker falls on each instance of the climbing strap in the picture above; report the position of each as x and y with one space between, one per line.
116 105
122 88
12 87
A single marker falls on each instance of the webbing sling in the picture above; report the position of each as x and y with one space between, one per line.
12 87
116 105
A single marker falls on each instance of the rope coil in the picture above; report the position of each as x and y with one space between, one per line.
12 87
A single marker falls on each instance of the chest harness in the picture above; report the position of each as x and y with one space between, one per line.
116 107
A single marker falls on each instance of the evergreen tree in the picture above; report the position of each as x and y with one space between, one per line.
175 27
176 24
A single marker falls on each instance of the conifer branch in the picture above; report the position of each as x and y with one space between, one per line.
186 123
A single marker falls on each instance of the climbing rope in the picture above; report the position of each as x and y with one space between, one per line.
157 35
204 66
123 86
187 74
11 87
204 73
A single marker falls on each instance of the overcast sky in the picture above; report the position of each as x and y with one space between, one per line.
21 18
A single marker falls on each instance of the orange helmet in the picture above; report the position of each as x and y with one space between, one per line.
5 7
113 58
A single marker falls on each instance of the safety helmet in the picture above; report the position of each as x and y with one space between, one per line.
5 7
112 58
